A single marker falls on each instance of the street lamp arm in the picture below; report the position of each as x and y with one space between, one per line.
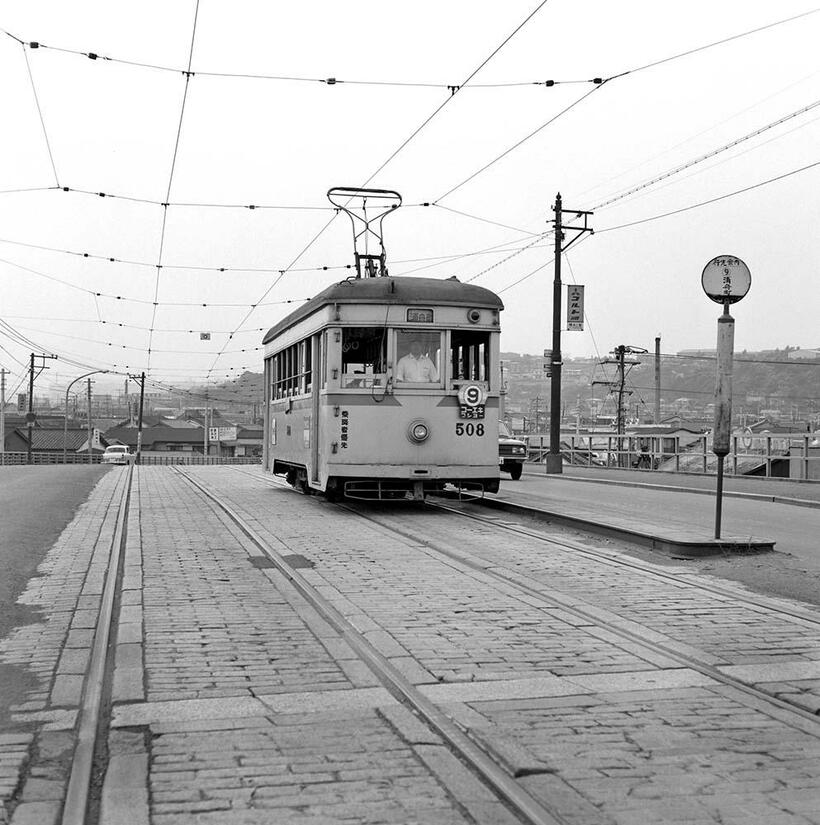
65 408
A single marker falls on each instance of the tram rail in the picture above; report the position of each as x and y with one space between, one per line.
627 629
94 709
90 758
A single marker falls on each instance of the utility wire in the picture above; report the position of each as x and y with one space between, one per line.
328 81
404 143
711 200
708 155
42 119
143 300
483 220
509 257
721 42
458 88
170 183
599 82
515 146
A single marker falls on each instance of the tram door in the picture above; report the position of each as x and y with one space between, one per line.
316 384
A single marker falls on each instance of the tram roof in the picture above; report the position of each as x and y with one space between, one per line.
389 290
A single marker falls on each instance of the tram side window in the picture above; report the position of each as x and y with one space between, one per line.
292 371
364 355
418 354
470 355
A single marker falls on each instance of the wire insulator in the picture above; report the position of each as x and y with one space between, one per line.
331 81
92 56
549 83
34 45
597 81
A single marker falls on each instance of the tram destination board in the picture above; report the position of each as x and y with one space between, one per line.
472 412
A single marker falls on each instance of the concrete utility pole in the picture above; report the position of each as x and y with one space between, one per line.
658 380
138 457
88 395
2 416
554 460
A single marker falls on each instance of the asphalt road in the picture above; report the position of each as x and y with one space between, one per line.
36 503
792 570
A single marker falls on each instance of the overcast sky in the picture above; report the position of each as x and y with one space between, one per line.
215 143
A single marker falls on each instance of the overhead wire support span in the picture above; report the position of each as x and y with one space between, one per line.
399 149
327 81
600 82
188 75
42 119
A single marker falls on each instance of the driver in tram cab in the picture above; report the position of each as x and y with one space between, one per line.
416 366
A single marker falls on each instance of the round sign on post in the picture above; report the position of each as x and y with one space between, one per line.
726 279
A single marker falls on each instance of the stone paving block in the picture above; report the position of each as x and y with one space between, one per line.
642 680
506 690
150 712
779 672
67 690
37 813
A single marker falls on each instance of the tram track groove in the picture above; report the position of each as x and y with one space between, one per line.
626 629
615 624
91 734
463 746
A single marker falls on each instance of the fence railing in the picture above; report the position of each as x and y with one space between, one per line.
770 455
170 458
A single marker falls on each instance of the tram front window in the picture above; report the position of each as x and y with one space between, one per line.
418 357
364 354
470 355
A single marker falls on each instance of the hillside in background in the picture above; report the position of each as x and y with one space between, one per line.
773 384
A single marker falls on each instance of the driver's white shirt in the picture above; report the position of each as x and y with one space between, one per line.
411 368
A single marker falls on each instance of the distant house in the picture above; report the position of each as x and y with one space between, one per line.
160 438
53 441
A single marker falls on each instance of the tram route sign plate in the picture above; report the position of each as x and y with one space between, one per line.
471 401
726 279
472 412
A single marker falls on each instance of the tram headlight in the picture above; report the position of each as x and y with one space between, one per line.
418 432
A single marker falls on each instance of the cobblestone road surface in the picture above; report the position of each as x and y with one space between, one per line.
235 702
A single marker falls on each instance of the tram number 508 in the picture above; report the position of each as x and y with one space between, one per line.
469 429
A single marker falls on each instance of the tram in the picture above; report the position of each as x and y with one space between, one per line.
385 387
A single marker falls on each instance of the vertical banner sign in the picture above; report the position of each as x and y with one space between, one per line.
575 307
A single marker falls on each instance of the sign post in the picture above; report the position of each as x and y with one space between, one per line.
726 280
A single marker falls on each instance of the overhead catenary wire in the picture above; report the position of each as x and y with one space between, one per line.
42 119
710 200
327 81
170 183
143 301
600 82
707 156
405 143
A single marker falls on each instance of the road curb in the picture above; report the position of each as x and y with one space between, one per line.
669 546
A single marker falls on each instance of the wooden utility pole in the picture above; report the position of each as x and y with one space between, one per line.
554 459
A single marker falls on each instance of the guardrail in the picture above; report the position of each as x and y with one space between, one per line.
770 455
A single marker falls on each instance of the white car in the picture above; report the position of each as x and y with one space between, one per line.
117 454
